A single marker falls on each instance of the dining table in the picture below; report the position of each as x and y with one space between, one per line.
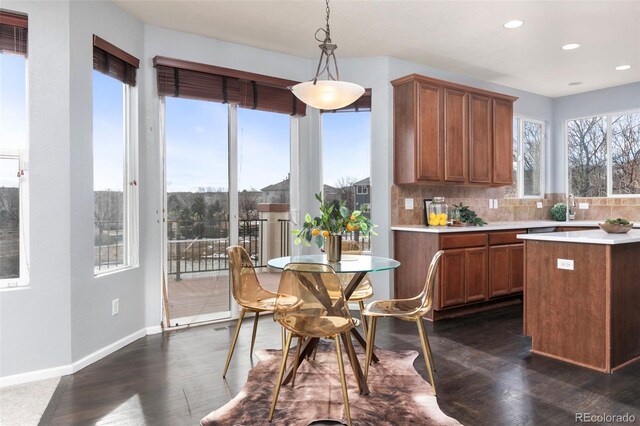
359 266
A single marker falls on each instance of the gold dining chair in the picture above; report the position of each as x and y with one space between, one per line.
315 312
248 293
364 290
412 309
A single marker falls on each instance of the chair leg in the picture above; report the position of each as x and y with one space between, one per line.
363 318
253 334
433 364
295 361
283 366
370 341
424 341
283 337
343 381
233 343
352 358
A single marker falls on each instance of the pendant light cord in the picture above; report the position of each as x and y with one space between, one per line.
327 51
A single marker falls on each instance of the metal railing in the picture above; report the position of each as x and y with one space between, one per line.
192 247
364 241
108 244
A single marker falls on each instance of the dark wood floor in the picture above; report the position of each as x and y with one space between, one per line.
485 376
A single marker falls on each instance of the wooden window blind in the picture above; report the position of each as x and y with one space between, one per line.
113 61
185 79
362 104
13 33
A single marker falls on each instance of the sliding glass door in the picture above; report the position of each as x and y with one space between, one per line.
226 182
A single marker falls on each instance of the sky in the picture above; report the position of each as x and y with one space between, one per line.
196 139
13 113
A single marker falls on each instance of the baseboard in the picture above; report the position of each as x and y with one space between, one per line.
64 370
154 330
109 349
33 376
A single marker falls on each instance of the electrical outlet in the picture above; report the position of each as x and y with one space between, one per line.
408 203
495 203
115 307
583 206
539 204
490 203
565 264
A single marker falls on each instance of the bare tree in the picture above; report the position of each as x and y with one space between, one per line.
588 157
625 154
346 190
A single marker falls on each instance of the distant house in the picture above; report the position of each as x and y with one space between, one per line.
277 192
363 194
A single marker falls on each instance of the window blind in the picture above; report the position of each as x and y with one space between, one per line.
185 79
113 61
13 33
363 103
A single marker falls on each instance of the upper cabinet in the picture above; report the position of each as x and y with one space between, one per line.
446 132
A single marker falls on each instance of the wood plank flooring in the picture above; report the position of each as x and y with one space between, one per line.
485 376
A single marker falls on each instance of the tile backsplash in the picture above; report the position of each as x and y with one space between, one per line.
509 209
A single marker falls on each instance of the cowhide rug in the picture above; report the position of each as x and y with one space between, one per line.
399 395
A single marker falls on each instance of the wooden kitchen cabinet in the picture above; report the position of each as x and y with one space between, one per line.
447 132
476 269
480 138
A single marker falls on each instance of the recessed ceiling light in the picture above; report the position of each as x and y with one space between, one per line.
575 83
622 67
570 46
515 23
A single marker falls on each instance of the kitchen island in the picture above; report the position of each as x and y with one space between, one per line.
582 297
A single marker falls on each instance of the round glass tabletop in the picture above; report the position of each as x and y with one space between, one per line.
348 264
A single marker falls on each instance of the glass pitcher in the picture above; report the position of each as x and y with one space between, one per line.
438 212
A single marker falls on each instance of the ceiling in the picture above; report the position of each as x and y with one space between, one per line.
465 37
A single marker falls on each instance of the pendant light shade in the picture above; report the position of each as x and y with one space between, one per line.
330 93
327 94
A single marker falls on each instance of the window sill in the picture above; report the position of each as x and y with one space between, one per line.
7 285
114 271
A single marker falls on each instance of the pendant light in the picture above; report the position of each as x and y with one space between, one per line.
330 93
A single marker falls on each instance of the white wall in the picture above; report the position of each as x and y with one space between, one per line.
93 327
613 99
65 313
35 322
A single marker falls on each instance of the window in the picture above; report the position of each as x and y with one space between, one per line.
13 152
114 159
528 148
346 159
604 155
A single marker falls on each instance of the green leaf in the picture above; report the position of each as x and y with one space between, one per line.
320 241
344 212
297 241
356 213
307 217
295 231
319 196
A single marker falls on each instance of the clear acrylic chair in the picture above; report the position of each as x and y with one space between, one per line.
311 304
248 293
412 309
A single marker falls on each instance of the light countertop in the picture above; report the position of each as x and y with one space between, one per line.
497 226
597 236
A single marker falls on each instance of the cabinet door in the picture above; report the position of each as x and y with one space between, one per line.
429 137
502 142
475 274
499 271
516 262
480 138
455 136
452 278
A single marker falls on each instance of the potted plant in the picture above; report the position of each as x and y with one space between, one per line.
334 220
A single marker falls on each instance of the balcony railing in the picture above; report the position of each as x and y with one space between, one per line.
200 246
108 244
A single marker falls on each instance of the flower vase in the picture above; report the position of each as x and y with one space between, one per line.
333 247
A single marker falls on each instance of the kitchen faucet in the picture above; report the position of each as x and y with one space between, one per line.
571 202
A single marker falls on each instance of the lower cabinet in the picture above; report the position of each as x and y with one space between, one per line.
505 269
475 267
